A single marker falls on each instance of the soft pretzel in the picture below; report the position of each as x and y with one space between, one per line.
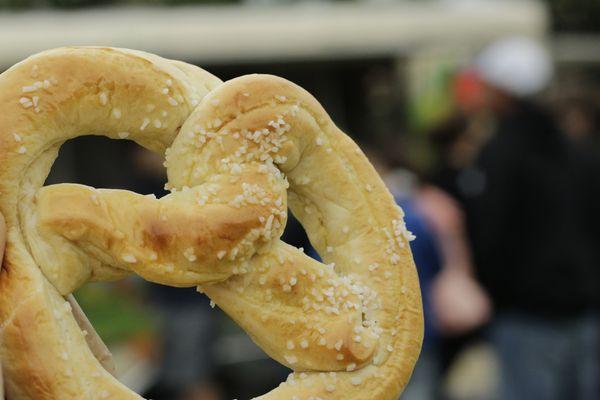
237 154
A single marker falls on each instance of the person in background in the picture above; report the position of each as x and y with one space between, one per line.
452 300
424 383
529 222
460 303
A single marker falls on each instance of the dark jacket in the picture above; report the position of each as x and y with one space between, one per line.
531 224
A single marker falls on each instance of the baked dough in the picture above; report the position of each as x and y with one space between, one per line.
238 154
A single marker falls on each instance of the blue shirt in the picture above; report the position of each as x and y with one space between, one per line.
427 259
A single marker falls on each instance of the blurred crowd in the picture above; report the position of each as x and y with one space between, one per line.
512 206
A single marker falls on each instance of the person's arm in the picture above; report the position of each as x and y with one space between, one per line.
459 303
497 210
445 217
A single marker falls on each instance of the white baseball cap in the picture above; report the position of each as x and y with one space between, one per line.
520 66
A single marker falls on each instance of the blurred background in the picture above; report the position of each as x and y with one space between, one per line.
482 116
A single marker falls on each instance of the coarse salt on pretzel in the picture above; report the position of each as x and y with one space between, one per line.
237 154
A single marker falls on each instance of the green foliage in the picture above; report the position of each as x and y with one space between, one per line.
116 315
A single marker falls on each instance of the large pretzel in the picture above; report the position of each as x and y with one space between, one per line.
237 153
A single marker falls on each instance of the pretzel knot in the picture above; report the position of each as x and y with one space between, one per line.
237 154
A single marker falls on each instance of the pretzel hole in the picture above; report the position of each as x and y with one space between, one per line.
101 162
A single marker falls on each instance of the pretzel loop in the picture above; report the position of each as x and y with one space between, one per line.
240 151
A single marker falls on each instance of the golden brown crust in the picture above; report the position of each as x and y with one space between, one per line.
240 151
2 237
47 99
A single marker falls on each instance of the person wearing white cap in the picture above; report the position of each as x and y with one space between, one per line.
530 230
519 66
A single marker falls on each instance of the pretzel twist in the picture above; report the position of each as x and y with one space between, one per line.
236 153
